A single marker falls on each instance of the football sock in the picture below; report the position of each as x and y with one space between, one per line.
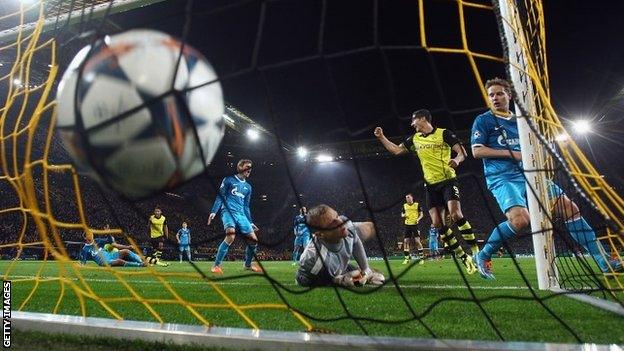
453 246
583 234
221 252
250 251
501 232
134 257
466 231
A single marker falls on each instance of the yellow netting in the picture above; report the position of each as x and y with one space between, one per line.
29 110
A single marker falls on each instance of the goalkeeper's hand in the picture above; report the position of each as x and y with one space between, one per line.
374 278
350 279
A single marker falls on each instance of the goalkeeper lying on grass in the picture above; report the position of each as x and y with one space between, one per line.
325 261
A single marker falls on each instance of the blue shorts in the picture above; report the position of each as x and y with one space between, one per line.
185 247
513 193
104 257
302 240
239 222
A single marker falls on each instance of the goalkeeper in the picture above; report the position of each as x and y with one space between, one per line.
325 261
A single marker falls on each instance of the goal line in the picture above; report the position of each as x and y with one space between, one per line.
253 339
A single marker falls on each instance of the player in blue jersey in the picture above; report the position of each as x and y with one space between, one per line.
495 139
184 241
232 202
115 257
433 242
302 234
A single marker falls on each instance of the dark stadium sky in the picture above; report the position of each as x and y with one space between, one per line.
344 97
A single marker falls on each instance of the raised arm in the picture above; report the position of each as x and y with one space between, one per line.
366 230
390 146
358 247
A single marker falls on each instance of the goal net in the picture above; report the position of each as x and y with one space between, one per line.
319 74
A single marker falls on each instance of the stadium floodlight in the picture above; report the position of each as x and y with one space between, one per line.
324 158
581 126
252 134
17 81
562 137
302 152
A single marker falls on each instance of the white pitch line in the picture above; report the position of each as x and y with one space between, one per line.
233 283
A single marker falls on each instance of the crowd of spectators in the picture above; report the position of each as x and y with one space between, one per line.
366 189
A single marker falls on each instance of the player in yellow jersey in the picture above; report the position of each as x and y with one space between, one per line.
412 213
158 233
433 147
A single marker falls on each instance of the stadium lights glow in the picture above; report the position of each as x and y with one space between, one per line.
253 134
17 81
302 152
324 158
562 137
581 126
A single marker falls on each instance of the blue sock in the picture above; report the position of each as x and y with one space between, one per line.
501 232
296 254
134 257
583 234
133 264
249 254
221 252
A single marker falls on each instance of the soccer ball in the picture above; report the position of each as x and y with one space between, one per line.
125 121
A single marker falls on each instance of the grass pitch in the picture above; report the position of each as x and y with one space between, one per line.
424 301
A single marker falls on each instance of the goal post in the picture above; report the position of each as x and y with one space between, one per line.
533 156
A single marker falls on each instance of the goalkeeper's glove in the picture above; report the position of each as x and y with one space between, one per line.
350 279
374 278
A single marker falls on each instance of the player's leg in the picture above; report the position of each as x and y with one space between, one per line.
250 252
580 230
419 247
434 244
438 203
252 242
128 259
188 252
159 251
463 225
180 249
452 199
224 247
296 249
511 198
406 244
229 225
